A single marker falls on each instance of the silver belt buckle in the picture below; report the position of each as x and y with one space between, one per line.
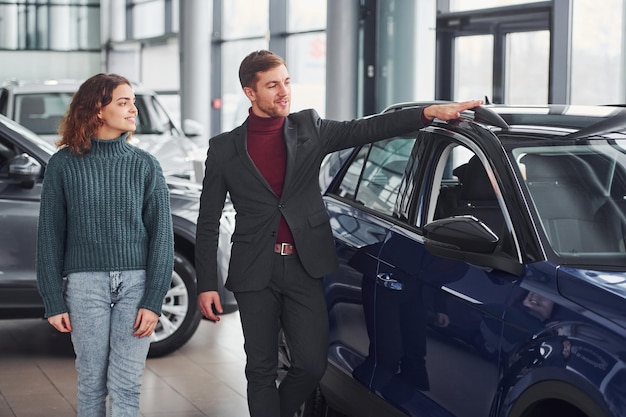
282 248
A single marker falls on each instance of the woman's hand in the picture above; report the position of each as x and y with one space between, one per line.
146 323
61 322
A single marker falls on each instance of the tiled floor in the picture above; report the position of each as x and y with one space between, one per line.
203 378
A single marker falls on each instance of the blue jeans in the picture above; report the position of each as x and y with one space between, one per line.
103 307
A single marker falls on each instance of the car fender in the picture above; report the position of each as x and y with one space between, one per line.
184 230
569 362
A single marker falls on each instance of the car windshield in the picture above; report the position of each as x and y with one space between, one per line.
579 195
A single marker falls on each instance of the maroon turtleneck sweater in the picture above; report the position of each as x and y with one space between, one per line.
268 151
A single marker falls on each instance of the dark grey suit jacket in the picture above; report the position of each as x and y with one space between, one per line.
229 169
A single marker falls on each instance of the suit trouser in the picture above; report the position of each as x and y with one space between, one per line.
294 301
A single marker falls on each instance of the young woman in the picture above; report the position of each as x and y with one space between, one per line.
105 251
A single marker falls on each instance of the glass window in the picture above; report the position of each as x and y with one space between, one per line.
245 18
473 67
306 15
58 26
448 181
148 18
145 123
462 5
171 102
152 117
246 27
307 68
235 105
379 177
9 26
347 188
87 30
597 52
527 84
162 118
175 10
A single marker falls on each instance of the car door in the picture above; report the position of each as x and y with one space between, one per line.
438 322
359 211
19 212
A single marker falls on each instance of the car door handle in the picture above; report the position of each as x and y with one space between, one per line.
386 280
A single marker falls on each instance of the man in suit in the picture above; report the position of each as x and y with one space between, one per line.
282 244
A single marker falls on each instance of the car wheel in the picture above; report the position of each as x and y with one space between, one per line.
180 317
315 405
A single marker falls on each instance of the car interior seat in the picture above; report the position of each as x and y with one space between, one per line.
611 216
31 115
567 202
476 196
449 193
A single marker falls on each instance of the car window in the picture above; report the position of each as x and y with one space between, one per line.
373 178
347 187
151 117
448 181
162 118
41 113
4 101
145 117
7 152
462 187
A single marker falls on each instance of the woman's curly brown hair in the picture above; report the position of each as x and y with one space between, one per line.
81 122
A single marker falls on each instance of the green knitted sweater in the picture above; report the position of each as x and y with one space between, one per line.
107 210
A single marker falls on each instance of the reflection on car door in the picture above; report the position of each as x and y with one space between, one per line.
372 179
438 322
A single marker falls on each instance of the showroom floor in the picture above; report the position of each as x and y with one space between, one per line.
203 378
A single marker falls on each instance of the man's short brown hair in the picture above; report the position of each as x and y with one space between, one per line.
255 62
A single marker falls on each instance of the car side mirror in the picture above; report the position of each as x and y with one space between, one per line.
25 169
468 239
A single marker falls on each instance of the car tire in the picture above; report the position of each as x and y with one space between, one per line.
556 398
180 317
315 405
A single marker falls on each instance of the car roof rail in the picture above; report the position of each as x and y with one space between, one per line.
616 123
486 115
482 114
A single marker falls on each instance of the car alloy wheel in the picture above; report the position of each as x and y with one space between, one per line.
180 317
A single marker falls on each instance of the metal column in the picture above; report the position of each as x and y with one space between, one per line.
342 59
195 60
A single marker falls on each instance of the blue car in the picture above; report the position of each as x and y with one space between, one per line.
482 268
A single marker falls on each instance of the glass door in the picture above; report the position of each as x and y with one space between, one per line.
501 54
